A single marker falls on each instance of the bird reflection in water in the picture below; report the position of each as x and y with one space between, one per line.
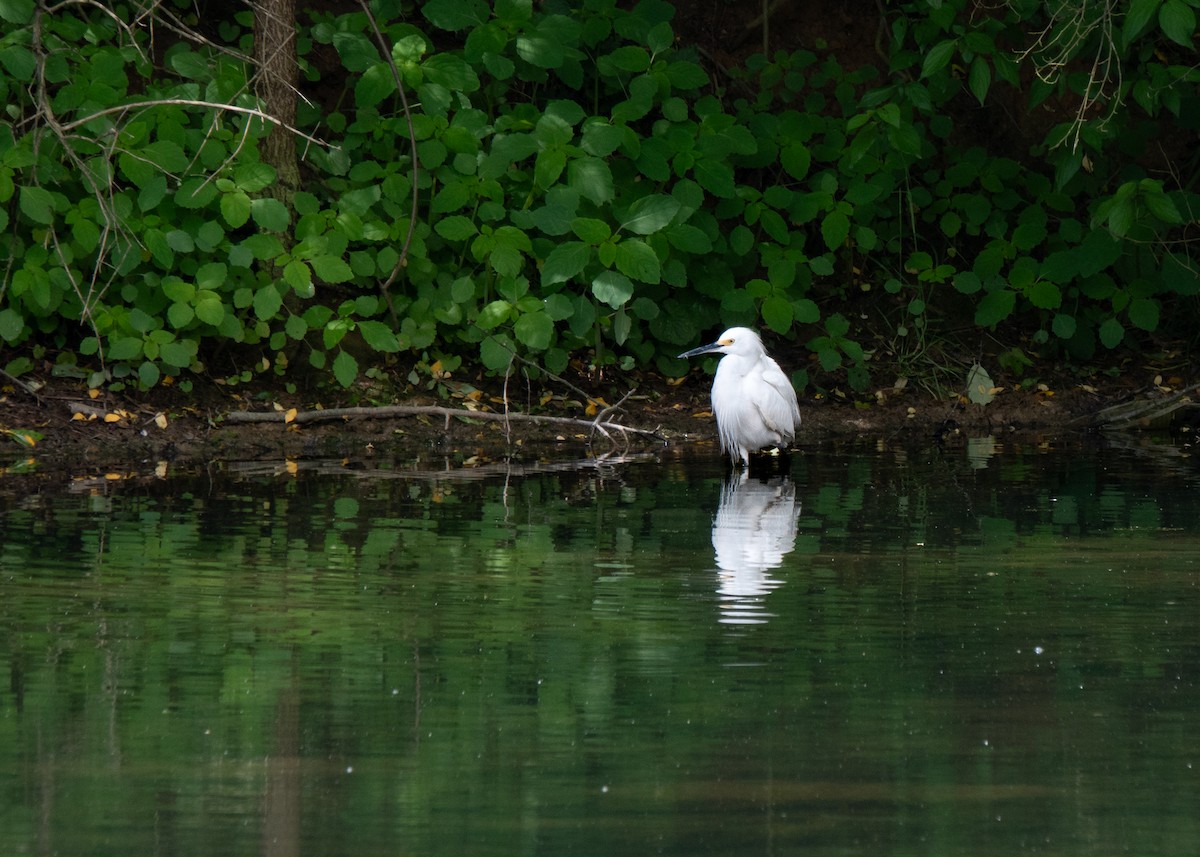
755 527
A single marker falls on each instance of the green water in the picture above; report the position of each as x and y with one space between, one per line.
993 650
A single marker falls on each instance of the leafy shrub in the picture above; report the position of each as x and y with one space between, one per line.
583 188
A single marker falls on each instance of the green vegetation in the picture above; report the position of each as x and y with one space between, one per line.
588 186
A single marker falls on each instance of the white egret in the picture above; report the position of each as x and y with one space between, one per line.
753 401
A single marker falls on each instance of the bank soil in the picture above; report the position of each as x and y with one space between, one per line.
73 428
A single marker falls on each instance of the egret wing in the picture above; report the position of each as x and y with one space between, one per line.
780 410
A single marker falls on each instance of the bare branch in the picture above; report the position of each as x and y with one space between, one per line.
386 411
191 102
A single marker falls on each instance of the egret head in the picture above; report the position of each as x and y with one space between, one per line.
741 341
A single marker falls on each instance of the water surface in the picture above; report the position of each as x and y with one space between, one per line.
985 650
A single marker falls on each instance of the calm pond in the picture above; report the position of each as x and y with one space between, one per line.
988 650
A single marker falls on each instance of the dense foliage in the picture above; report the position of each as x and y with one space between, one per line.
589 186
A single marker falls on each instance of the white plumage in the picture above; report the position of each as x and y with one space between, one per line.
753 401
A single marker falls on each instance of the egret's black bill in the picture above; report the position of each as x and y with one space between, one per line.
703 349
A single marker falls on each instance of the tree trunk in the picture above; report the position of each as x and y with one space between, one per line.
278 75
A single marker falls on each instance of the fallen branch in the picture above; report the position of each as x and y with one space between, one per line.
384 411
1142 412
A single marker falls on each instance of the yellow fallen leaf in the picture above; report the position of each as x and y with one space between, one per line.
292 467
290 415
160 420
78 417
112 418
93 393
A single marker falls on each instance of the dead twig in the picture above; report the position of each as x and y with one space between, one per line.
385 411
1144 411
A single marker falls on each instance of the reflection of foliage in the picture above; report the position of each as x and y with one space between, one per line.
491 651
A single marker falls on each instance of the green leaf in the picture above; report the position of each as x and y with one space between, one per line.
149 374
689 239
180 315
17 11
1137 16
494 314
636 259
335 331
379 336
1044 294
534 330
210 310
496 353
1063 325
714 176
456 14
296 327
189 64
559 307
373 85
178 355
565 262
995 307
796 159
591 230
684 74
938 58
741 240
651 213
1144 313
11 325
979 80
235 208
37 204
195 192
621 325
270 214
778 313
211 276
592 178
17 60
1162 207
548 167
345 368
629 58
450 71
1112 332
1178 21
601 139
612 288
166 155
267 302
331 269
125 348
455 228
298 275
835 228
807 311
